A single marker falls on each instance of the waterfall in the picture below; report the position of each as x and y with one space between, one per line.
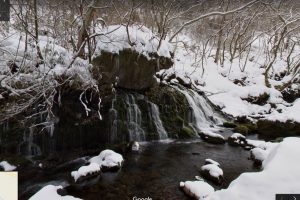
134 119
203 115
154 115
28 147
113 118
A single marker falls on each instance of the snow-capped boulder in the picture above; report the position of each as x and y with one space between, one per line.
134 146
108 160
130 63
84 172
212 171
213 138
237 139
197 189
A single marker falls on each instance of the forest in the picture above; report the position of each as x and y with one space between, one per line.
150 99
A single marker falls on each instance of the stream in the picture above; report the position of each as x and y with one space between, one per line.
155 171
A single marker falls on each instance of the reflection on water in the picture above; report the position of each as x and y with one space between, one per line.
157 170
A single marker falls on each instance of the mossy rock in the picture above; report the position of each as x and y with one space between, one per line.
241 129
246 128
186 132
229 125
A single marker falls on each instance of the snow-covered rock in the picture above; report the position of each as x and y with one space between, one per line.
90 170
6 166
211 161
135 146
197 189
49 192
212 137
142 39
108 160
212 171
237 139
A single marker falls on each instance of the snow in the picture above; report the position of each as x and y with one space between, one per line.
237 135
197 189
114 39
209 132
213 169
288 113
280 175
135 146
217 81
208 160
7 167
49 192
85 170
108 158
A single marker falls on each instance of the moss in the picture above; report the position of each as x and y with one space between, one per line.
229 125
186 132
241 129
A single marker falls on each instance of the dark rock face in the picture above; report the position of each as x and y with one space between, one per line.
274 129
129 69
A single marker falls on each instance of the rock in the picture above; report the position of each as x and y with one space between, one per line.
108 160
213 138
134 146
86 172
237 139
212 172
274 129
197 189
259 100
229 125
128 69
258 155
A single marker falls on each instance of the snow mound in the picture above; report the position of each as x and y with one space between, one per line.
49 192
114 39
213 169
85 170
197 189
108 159
288 113
237 136
280 174
7 167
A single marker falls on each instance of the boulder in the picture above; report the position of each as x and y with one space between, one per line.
128 69
212 171
213 138
237 139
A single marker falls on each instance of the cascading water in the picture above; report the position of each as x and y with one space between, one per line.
203 116
28 147
134 119
113 115
154 115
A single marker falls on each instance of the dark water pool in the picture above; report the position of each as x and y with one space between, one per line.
153 172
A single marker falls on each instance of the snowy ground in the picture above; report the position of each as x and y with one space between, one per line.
280 175
218 82
49 192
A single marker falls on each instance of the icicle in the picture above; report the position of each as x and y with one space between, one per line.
87 110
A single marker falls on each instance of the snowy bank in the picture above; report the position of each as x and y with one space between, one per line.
49 192
280 174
